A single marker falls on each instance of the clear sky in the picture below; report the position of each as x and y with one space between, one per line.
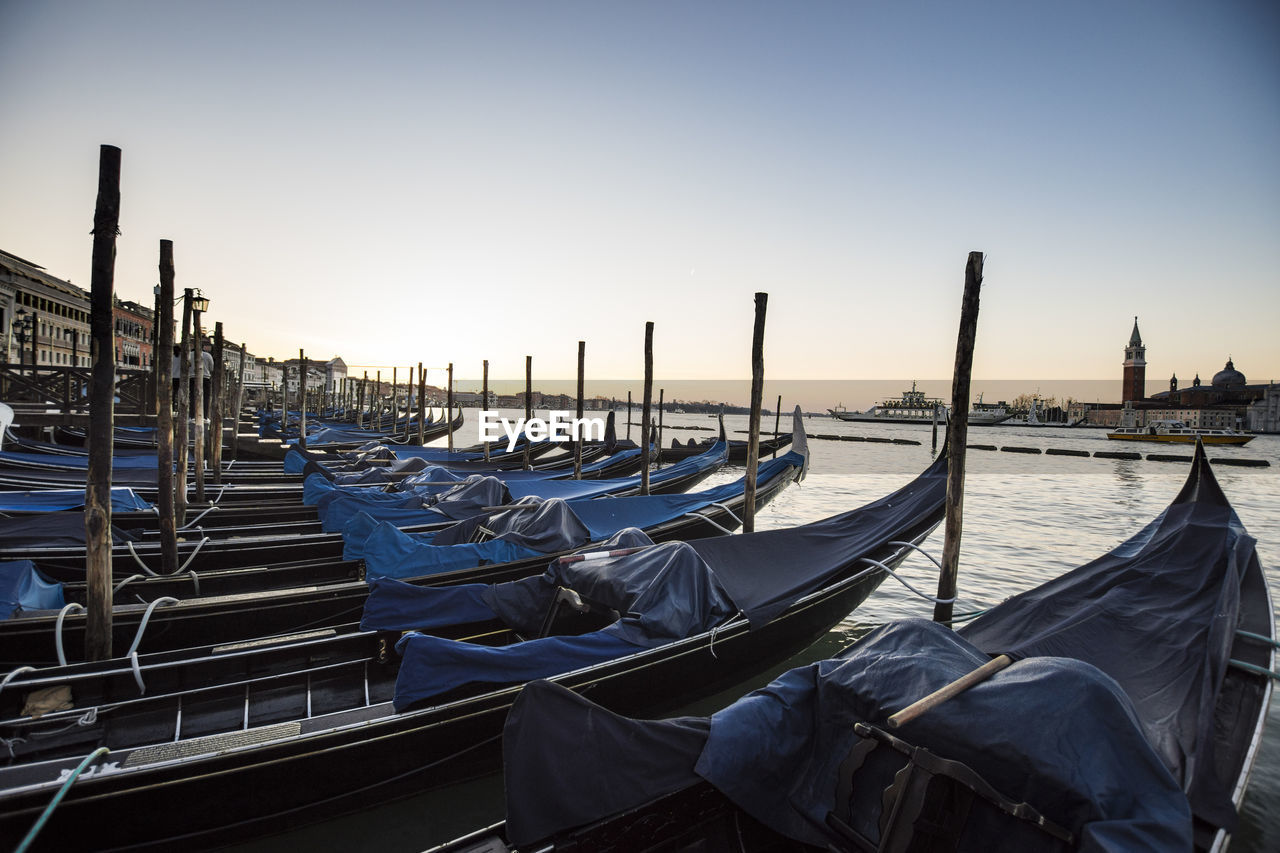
435 182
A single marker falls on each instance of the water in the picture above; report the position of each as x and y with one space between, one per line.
1027 518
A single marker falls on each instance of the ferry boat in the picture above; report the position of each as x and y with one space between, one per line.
1177 431
988 414
912 408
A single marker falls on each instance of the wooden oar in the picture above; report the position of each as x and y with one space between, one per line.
949 691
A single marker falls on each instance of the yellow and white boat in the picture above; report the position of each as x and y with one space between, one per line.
1177 431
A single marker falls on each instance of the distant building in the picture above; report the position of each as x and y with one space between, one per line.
1134 383
133 325
55 312
1227 402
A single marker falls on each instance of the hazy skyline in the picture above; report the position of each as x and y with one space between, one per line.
448 182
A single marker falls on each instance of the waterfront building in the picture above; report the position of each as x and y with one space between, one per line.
1227 402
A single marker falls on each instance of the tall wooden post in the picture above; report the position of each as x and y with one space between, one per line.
628 415
753 425
216 430
164 414
159 366
662 392
528 407
197 360
577 444
235 408
302 398
182 434
97 497
422 405
644 413
449 406
377 395
484 402
777 422
957 435
395 401
35 339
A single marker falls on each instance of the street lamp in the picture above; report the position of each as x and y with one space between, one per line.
199 302
24 324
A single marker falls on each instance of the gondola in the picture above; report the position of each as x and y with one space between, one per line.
737 449
276 597
1128 720
218 543
354 748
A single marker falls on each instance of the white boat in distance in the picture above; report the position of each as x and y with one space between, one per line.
913 407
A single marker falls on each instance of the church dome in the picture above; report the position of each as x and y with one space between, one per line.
1228 377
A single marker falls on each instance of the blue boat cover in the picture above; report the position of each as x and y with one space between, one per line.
51 530
552 527
394 605
52 500
75 463
23 589
1103 723
778 752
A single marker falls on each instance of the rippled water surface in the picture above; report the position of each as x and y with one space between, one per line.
1027 518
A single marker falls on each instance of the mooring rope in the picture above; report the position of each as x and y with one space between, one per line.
57 798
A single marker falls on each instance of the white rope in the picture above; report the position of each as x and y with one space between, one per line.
199 545
902 581
15 674
189 524
710 521
127 580
145 568
731 513
932 558
73 607
137 639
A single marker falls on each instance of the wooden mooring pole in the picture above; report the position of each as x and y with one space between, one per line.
197 360
957 434
528 407
644 413
302 398
484 401
449 406
181 433
422 405
628 416
97 498
662 393
577 449
164 416
753 425
235 408
217 430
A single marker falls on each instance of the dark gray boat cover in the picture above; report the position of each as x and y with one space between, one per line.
1052 732
52 530
1100 724
1179 580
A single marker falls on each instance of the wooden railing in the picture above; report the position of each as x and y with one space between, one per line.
67 389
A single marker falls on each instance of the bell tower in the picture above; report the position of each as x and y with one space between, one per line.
1135 368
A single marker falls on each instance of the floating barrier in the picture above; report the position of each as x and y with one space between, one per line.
1051 451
